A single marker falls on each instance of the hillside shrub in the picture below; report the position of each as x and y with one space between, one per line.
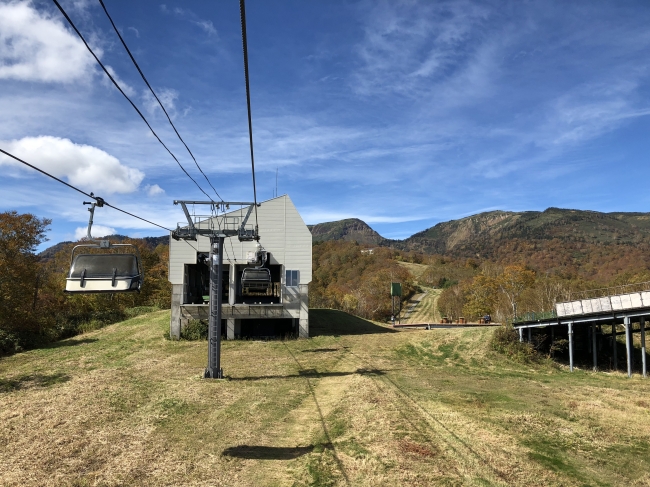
195 330
9 343
505 340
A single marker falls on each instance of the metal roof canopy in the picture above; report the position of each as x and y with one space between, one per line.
192 230
605 318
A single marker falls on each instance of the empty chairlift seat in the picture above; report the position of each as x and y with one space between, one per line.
256 279
104 273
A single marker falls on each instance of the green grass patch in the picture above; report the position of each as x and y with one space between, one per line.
359 404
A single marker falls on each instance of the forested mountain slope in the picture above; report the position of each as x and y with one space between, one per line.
484 233
151 242
587 244
352 230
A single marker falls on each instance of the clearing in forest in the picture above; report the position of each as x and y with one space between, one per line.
422 307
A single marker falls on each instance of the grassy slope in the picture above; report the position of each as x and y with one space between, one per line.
123 406
426 311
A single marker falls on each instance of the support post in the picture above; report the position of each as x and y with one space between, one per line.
593 347
552 340
628 345
213 370
521 334
643 360
400 309
615 357
571 346
530 335
230 329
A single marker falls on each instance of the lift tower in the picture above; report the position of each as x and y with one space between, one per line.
230 226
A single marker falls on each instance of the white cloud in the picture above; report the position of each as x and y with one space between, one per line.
130 92
407 46
96 232
36 47
85 166
190 16
166 96
207 26
154 189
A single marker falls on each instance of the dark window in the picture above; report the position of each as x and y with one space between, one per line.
293 278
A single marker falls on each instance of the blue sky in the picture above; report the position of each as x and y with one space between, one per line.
403 114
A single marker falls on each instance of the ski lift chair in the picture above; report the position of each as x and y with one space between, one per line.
256 279
106 272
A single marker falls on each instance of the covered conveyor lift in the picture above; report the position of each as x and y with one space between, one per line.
623 308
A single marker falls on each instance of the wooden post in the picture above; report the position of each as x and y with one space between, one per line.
530 335
571 346
643 364
593 347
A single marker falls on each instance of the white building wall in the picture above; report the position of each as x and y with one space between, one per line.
282 231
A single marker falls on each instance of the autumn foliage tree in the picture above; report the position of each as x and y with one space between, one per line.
352 278
514 280
33 306
20 234
495 291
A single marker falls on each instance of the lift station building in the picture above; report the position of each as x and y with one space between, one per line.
277 311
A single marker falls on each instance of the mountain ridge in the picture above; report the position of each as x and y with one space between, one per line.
482 232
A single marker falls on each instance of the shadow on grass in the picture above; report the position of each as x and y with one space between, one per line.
332 322
312 373
318 350
267 452
32 380
71 342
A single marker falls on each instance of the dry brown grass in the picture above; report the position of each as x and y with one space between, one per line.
123 406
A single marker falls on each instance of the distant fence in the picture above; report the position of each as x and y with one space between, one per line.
544 315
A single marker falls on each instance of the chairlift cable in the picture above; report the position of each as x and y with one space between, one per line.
156 97
242 10
90 195
47 174
63 12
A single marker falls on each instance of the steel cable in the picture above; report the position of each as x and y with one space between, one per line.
156 97
63 12
242 10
